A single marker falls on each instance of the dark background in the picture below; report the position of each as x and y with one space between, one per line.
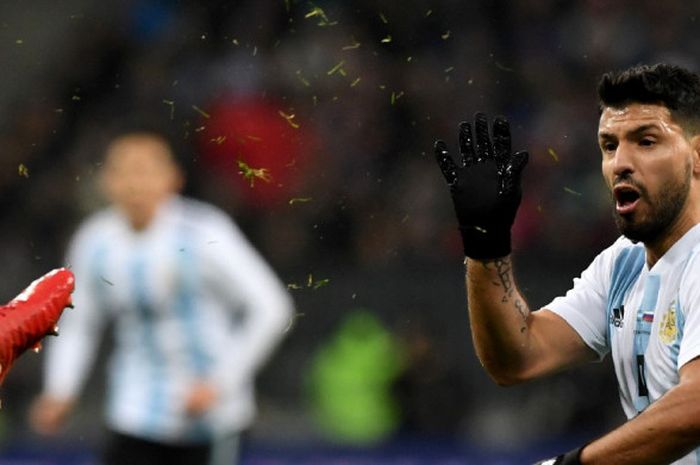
355 197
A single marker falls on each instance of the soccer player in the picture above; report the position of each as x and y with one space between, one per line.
639 299
196 310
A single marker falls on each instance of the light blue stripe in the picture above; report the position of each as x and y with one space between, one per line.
194 329
154 412
651 293
186 307
642 330
627 267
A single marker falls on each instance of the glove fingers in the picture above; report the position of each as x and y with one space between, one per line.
445 162
518 162
510 181
501 140
466 144
484 150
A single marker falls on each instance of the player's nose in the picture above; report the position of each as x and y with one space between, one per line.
623 160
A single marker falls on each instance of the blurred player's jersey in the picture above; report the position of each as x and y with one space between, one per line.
648 318
191 300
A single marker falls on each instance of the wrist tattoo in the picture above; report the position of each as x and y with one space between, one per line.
504 270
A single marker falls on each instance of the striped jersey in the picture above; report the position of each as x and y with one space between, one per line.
190 299
647 318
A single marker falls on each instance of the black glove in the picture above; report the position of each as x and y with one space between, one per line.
485 186
570 458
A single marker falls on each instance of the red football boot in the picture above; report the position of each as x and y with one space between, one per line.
33 314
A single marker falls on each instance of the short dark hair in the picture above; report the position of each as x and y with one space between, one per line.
678 89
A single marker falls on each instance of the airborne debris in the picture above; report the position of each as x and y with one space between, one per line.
289 119
337 69
23 170
553 154
303 79
395 96
352 46
386 39
503 67
310 283
171 104
294 200
446 35
323 19
251 174
571 191
201 112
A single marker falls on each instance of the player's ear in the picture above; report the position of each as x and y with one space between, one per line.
695 145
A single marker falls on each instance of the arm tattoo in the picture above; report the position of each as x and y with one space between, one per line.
504 270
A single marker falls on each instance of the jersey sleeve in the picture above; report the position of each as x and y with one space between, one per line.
688 319
70 356
243 276
583 307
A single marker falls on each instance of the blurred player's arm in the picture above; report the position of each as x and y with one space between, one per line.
513 343
243 276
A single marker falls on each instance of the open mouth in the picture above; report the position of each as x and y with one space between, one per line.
626 198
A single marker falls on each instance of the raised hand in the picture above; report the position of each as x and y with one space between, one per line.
484 185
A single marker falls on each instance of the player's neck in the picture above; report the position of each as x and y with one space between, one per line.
657 248
140 221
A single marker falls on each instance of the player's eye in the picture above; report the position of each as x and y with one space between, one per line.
647 142
608 146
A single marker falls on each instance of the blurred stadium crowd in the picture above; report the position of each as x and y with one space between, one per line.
339 103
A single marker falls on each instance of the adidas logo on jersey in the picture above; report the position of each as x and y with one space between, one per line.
617 317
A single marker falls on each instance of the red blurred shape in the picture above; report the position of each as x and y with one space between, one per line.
263 135
33 314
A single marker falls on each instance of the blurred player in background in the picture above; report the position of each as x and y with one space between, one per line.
639 299
196 309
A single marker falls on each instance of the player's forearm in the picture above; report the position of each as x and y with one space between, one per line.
499 318
668 430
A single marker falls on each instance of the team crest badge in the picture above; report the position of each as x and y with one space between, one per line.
668 328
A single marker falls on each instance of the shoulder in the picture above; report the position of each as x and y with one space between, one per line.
622 243
691 268
101 223
622 250
94 233
201 216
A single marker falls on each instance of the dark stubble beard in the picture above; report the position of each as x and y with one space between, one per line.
663 213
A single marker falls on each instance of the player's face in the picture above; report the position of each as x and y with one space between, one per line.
648 166
138 175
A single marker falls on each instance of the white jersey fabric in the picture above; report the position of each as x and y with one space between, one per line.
649 319
191 300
